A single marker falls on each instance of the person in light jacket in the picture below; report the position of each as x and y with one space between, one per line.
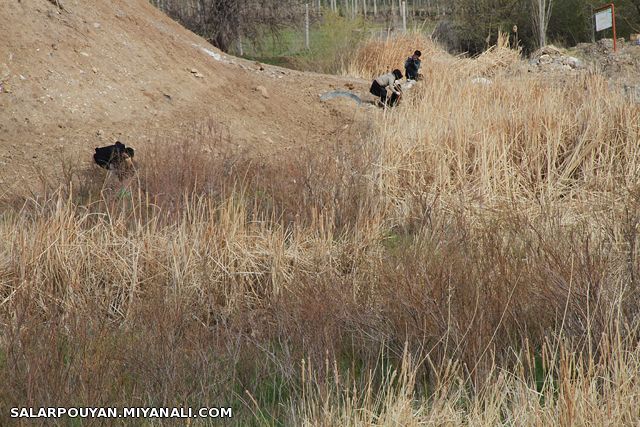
381 83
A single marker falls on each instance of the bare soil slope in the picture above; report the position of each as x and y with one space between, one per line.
82 75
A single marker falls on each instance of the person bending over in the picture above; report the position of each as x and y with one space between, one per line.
381 83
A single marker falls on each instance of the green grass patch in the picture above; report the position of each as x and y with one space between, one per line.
331 40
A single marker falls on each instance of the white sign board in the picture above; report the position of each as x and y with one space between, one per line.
604 20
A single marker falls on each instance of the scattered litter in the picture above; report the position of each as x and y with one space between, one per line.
4 72
340 93
545 59
632 92
408 84
572 61
211 53
552 58
196 73
262 90
481 81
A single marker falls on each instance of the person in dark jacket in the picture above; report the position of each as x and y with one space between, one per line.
412 65
381 83
116 157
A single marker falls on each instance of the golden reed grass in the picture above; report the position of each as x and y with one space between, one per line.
471 260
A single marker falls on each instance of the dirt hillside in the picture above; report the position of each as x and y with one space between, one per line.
79 76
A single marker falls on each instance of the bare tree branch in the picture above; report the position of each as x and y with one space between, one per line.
541 16
224 22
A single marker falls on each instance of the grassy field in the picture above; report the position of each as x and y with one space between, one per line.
472 260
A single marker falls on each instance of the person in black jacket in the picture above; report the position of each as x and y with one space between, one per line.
412 65
116 157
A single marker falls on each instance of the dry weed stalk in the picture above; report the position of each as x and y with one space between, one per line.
473 261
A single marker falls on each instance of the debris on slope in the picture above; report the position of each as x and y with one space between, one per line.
600 55
481 81
550 58
211 53
263 91
625 60
633 92
340 94
621 68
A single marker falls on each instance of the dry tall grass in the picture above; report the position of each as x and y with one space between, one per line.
383 55
471 261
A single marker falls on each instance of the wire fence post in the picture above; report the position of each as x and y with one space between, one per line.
240 46
404 16
306 26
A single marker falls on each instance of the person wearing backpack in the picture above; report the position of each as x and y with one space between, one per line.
412 65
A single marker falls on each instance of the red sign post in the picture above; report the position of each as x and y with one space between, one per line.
605 17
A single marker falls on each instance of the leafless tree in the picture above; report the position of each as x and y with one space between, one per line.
224 22
541 16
